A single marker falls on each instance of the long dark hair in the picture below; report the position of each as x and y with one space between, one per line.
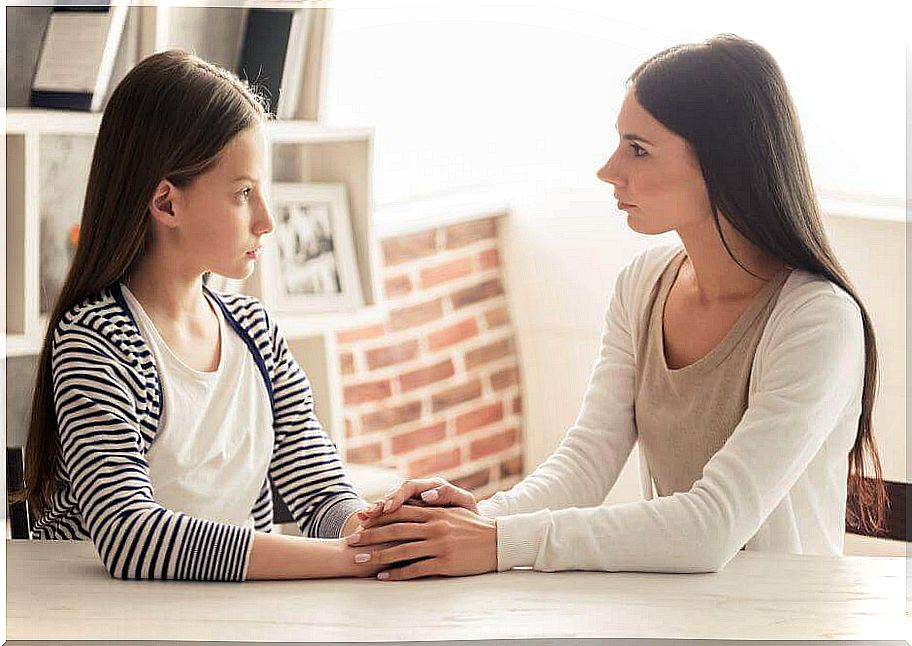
169 118
728 99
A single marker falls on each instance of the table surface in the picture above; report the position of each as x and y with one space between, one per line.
59 590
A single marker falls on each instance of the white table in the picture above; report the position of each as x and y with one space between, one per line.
61 591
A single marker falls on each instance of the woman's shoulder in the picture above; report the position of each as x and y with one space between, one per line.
807 298
644 269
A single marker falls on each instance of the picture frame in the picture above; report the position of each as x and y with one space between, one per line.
309 263
77 55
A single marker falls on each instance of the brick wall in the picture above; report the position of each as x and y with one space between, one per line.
434 389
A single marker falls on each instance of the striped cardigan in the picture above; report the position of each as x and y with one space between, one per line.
108 403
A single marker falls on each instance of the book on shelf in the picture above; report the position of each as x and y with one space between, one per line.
273 52
77 55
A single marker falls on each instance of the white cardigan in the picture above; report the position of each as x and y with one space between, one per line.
778 483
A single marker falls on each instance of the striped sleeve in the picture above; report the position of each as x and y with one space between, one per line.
306 467
95 399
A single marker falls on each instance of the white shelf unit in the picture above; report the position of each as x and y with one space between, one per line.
302 150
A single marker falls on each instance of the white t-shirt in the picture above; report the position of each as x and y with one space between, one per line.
215 440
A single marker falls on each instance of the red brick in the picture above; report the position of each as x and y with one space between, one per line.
474 480
360 334
390 416
409 247
497 317
446 272
405 442
397 286
517 405
347 363
477 293
434 463
349 428
505 378
367 392
487 353
465 233
512 467
479 417
406 317
454 334
425 376
367 454
457 395
489 259
391 355
492 444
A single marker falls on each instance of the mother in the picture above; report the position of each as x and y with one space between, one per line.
742 361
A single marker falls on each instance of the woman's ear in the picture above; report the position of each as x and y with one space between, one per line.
161 206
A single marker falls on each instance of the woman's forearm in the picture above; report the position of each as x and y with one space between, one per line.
274 556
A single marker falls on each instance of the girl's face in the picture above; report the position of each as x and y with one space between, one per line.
224 210
655 174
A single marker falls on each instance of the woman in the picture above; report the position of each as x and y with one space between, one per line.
161 406
742 361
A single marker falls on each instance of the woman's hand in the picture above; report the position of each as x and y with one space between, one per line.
349 564
448 542
432 491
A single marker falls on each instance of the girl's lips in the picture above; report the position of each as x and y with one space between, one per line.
254 253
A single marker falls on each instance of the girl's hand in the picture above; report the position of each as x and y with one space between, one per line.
432 491
448 542
349 565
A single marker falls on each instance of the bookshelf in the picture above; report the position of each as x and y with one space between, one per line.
301 150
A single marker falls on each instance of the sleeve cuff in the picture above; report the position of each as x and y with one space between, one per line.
336 514
520 538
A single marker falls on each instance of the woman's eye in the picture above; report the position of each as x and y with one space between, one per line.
638 150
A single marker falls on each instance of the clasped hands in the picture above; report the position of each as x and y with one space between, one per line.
425 528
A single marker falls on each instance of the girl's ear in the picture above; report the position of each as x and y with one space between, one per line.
161 206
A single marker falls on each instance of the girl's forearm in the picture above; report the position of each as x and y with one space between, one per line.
274 556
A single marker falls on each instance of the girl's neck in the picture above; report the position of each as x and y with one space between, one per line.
167 293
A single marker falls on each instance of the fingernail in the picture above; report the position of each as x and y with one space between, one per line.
387 505
362 558
354 538
430 495
383 576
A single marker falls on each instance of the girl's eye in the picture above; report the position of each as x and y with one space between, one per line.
638 150
246 193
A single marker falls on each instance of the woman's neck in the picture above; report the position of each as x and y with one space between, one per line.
712 275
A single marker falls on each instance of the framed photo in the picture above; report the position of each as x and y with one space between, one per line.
309 264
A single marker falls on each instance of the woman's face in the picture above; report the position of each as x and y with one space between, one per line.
225 211
655 174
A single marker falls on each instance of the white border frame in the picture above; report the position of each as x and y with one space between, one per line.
351 297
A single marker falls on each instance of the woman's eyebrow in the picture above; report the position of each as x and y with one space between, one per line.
630 136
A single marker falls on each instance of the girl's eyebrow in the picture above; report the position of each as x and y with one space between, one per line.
247 177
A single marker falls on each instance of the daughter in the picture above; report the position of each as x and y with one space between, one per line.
164 412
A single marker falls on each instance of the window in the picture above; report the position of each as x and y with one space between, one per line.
472 96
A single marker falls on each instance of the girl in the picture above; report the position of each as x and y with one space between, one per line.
742 361
164 412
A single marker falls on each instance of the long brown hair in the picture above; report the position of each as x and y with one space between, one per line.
169 118
728 99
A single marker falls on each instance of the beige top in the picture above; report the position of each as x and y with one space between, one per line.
684 416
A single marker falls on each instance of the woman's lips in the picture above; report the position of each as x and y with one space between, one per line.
624 206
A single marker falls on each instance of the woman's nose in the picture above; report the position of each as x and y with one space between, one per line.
609 173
